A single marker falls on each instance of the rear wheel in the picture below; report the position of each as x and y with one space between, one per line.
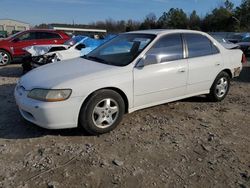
102 112
5 58
220 87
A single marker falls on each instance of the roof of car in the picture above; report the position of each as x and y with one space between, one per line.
45 30
164 31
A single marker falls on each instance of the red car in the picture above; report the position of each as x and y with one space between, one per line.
12 47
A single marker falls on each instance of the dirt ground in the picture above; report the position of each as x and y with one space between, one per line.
189 143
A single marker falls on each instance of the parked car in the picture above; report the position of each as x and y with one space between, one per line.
224 42
237 37
12 47
75 47
245 45
133 71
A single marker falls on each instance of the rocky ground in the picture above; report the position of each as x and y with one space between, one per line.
189 143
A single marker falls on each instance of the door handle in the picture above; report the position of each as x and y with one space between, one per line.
182 70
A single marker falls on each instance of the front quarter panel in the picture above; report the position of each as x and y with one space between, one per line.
83 88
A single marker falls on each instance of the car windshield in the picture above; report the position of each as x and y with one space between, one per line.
121 50
74 40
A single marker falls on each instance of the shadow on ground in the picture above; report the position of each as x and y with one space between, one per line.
197 99
244 75
11 71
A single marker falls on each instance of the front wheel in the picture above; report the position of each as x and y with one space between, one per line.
5 58
220 87
102 112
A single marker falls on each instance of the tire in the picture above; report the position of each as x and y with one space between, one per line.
220 87
102 112
5 58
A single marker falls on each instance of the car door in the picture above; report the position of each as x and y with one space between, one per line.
22 41
158 83
45 38
204 61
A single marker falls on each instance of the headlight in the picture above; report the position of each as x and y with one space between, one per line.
50 95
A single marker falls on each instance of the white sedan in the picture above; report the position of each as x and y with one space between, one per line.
133 71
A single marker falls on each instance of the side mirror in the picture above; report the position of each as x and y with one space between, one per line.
149 59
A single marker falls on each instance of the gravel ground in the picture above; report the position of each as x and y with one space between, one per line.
189 143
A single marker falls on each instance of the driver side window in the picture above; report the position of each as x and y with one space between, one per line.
27 36
168 48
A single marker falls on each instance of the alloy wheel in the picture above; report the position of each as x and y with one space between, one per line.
4 58
221 87
105 113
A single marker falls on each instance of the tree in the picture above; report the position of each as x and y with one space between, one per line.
194 21
229 5
132 25
150 22
223 18
42 26
242 15
173 19
220 19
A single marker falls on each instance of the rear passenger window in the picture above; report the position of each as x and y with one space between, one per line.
169 47
46 35
199 45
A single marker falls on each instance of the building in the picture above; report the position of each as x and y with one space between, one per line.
11 26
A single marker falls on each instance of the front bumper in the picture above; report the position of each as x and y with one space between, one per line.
49 115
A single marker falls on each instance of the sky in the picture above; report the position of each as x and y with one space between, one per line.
87 11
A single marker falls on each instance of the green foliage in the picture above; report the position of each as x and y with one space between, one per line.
173 19
229 5
224 18
219 20
242 13
194 21
150 22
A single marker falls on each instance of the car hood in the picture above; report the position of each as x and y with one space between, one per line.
64 73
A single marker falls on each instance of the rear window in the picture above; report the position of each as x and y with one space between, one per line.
199 45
